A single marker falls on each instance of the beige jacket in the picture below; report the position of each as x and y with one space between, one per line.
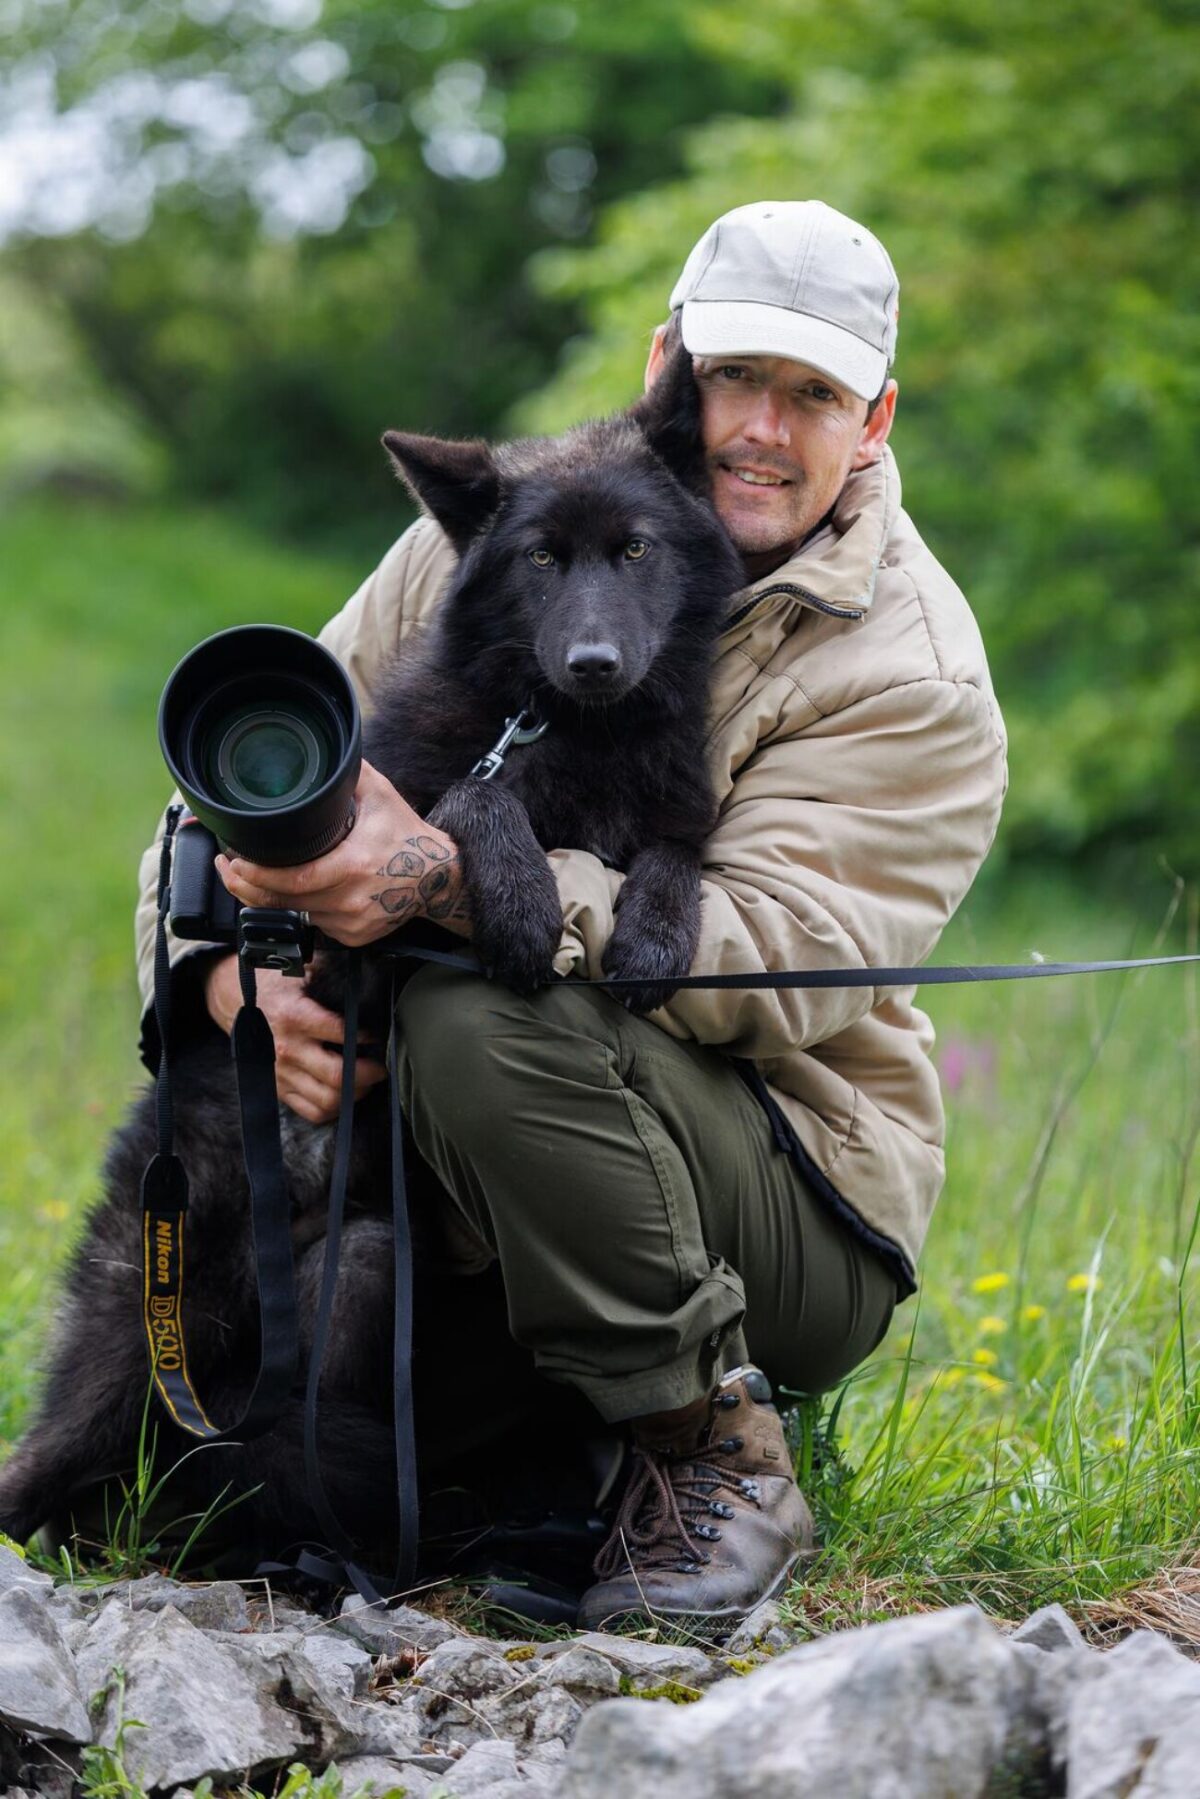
859 759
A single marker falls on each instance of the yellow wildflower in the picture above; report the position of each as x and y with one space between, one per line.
1115 1442
991 1383
987 1358
54 1211
989 1283
1031 1314
950 1377
1084 1283
991 1326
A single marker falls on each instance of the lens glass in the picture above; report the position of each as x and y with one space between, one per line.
269 761
263 757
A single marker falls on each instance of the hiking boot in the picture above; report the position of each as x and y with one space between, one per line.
712 1522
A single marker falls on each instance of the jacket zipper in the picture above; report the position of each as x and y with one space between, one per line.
800 593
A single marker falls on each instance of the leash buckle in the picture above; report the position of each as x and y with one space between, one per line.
526 727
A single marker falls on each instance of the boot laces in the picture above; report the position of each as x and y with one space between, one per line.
663 1518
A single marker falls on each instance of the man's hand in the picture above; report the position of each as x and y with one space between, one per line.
308 1065
392 868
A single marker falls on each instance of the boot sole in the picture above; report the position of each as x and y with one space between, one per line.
729 1614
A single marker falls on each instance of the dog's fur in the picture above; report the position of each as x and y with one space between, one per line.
620 772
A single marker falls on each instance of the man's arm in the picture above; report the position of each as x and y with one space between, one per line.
848 844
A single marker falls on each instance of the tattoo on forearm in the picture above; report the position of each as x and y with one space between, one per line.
435 891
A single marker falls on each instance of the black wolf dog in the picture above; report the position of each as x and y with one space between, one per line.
591 581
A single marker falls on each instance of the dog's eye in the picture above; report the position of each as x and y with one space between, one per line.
636 548
541 558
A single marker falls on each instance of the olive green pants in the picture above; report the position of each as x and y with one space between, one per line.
649 1231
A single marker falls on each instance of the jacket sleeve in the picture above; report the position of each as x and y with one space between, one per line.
846 844
362 636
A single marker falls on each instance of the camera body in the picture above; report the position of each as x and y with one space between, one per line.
202 908
204 911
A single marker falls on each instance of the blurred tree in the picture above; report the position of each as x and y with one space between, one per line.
280 228
1034 171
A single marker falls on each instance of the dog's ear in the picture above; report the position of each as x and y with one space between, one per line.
458 483
668 416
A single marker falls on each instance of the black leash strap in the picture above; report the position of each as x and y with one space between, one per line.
164 1208
930 975
406 1447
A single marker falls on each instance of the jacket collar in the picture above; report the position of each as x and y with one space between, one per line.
835 570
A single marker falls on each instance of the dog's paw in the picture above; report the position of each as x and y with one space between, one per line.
658 960
517 941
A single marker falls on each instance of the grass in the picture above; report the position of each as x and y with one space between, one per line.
1029 1429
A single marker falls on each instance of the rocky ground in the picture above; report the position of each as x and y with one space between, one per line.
234 1684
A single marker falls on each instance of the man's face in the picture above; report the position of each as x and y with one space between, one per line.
781 439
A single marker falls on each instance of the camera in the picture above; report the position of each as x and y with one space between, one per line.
261 731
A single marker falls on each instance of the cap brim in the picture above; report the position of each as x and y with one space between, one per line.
748 328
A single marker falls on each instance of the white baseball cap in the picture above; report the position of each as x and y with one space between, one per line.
793 278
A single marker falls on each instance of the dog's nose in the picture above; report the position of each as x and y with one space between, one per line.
593 661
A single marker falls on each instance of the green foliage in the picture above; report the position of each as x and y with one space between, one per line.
146 1532
1027 168
268 362
1030 1431
523 181
103 1773
58 422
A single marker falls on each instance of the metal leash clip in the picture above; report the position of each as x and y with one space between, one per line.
526 727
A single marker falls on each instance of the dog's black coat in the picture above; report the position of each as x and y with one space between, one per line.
611 642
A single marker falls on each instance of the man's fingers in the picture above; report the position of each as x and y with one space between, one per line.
313 1088
306 885
367 1075
312 1099
250 893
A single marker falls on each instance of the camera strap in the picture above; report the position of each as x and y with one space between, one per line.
347 1564
164 1210
165 1204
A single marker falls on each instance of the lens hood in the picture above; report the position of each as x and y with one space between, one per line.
261 731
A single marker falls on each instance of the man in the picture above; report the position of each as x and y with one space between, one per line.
740 1183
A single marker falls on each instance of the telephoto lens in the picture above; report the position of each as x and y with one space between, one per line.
260 728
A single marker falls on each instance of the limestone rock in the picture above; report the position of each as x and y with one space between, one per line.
208 1703
16 1572
921 1708
482 1769
491 1770
212 1605
393 1731
39 1691
584 1672
399 1629
1050 1629
1131 1722
646 1664
374 1775
763 1628
345 1664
